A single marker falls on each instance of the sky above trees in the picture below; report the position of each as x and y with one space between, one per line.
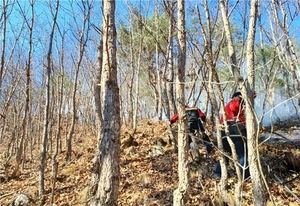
69 25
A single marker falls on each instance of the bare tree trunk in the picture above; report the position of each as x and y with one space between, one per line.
168 74
257 176
46 110
214 75
236 72
158 72
3 68
97 87
106 170
231 50
169 71
60 93
5 15
137 84
182 191
130 98
16 171
285 47
83 38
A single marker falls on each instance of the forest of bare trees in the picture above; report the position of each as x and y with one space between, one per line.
71 67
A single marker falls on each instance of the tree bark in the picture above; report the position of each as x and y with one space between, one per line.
182 191
83 38
5 15
137 84
207 36
170 106
284 45
158 107
60 96
132 75
106 170
23 135
46 109
257 176
231 50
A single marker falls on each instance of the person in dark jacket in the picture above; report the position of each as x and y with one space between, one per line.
195 118
236 121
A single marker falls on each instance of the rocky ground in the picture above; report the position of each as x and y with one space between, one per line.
149 170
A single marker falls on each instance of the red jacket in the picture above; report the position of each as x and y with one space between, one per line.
201 115
234 109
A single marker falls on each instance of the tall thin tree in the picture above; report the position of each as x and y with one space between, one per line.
83 38
27 89
48 64
168 84
213 75
106 170
259 189
182 191
60 94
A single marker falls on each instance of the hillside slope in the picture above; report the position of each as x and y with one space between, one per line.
149 172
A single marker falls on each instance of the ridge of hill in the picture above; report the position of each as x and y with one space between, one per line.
149 171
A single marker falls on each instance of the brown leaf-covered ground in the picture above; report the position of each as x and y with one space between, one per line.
149 171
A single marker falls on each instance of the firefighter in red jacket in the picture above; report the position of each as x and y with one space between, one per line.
236 121
194 116
234 110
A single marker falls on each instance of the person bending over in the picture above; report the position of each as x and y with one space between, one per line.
195 118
